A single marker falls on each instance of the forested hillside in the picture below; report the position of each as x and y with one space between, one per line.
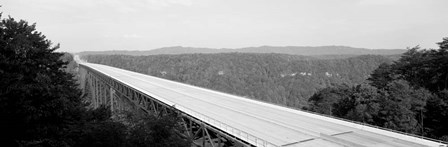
322 51
409 95
278 78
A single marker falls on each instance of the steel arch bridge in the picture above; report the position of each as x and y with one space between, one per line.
216 119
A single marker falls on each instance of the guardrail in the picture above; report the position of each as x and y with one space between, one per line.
351 121
252 139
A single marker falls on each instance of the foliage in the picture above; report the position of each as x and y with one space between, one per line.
36 94
436 116
71 66
360 104
401 105
157 131
408 95
381 76
95 128
323 101
420 67
428 69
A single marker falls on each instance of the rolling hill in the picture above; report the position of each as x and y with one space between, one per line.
321 51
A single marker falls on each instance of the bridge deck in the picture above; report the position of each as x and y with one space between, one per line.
275 124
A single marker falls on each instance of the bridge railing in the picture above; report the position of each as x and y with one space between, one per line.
242 135
355 122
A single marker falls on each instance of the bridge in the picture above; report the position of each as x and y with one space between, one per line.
217 119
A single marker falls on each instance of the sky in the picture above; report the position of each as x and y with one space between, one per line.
95 25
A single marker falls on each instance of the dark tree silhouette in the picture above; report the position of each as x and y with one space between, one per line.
41 105
36 94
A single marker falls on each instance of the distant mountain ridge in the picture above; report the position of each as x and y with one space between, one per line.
292 50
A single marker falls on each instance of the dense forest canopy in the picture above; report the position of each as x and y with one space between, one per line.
283 79
409 95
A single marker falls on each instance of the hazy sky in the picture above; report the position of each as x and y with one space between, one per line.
80 25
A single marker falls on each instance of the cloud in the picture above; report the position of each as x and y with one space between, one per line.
168 3
121 6
385 2
131 36
181 2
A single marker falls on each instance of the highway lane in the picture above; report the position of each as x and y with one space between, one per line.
253 126
277 125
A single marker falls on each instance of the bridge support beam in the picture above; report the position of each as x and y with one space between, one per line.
111 97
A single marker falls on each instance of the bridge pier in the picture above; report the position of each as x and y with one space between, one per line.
104 90
111 97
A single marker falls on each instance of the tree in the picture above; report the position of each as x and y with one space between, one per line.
381 76
36 94
422 69
324 100
94 127
400 106
157 131
436 116
361 105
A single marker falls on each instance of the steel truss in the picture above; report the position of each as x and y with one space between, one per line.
104 90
